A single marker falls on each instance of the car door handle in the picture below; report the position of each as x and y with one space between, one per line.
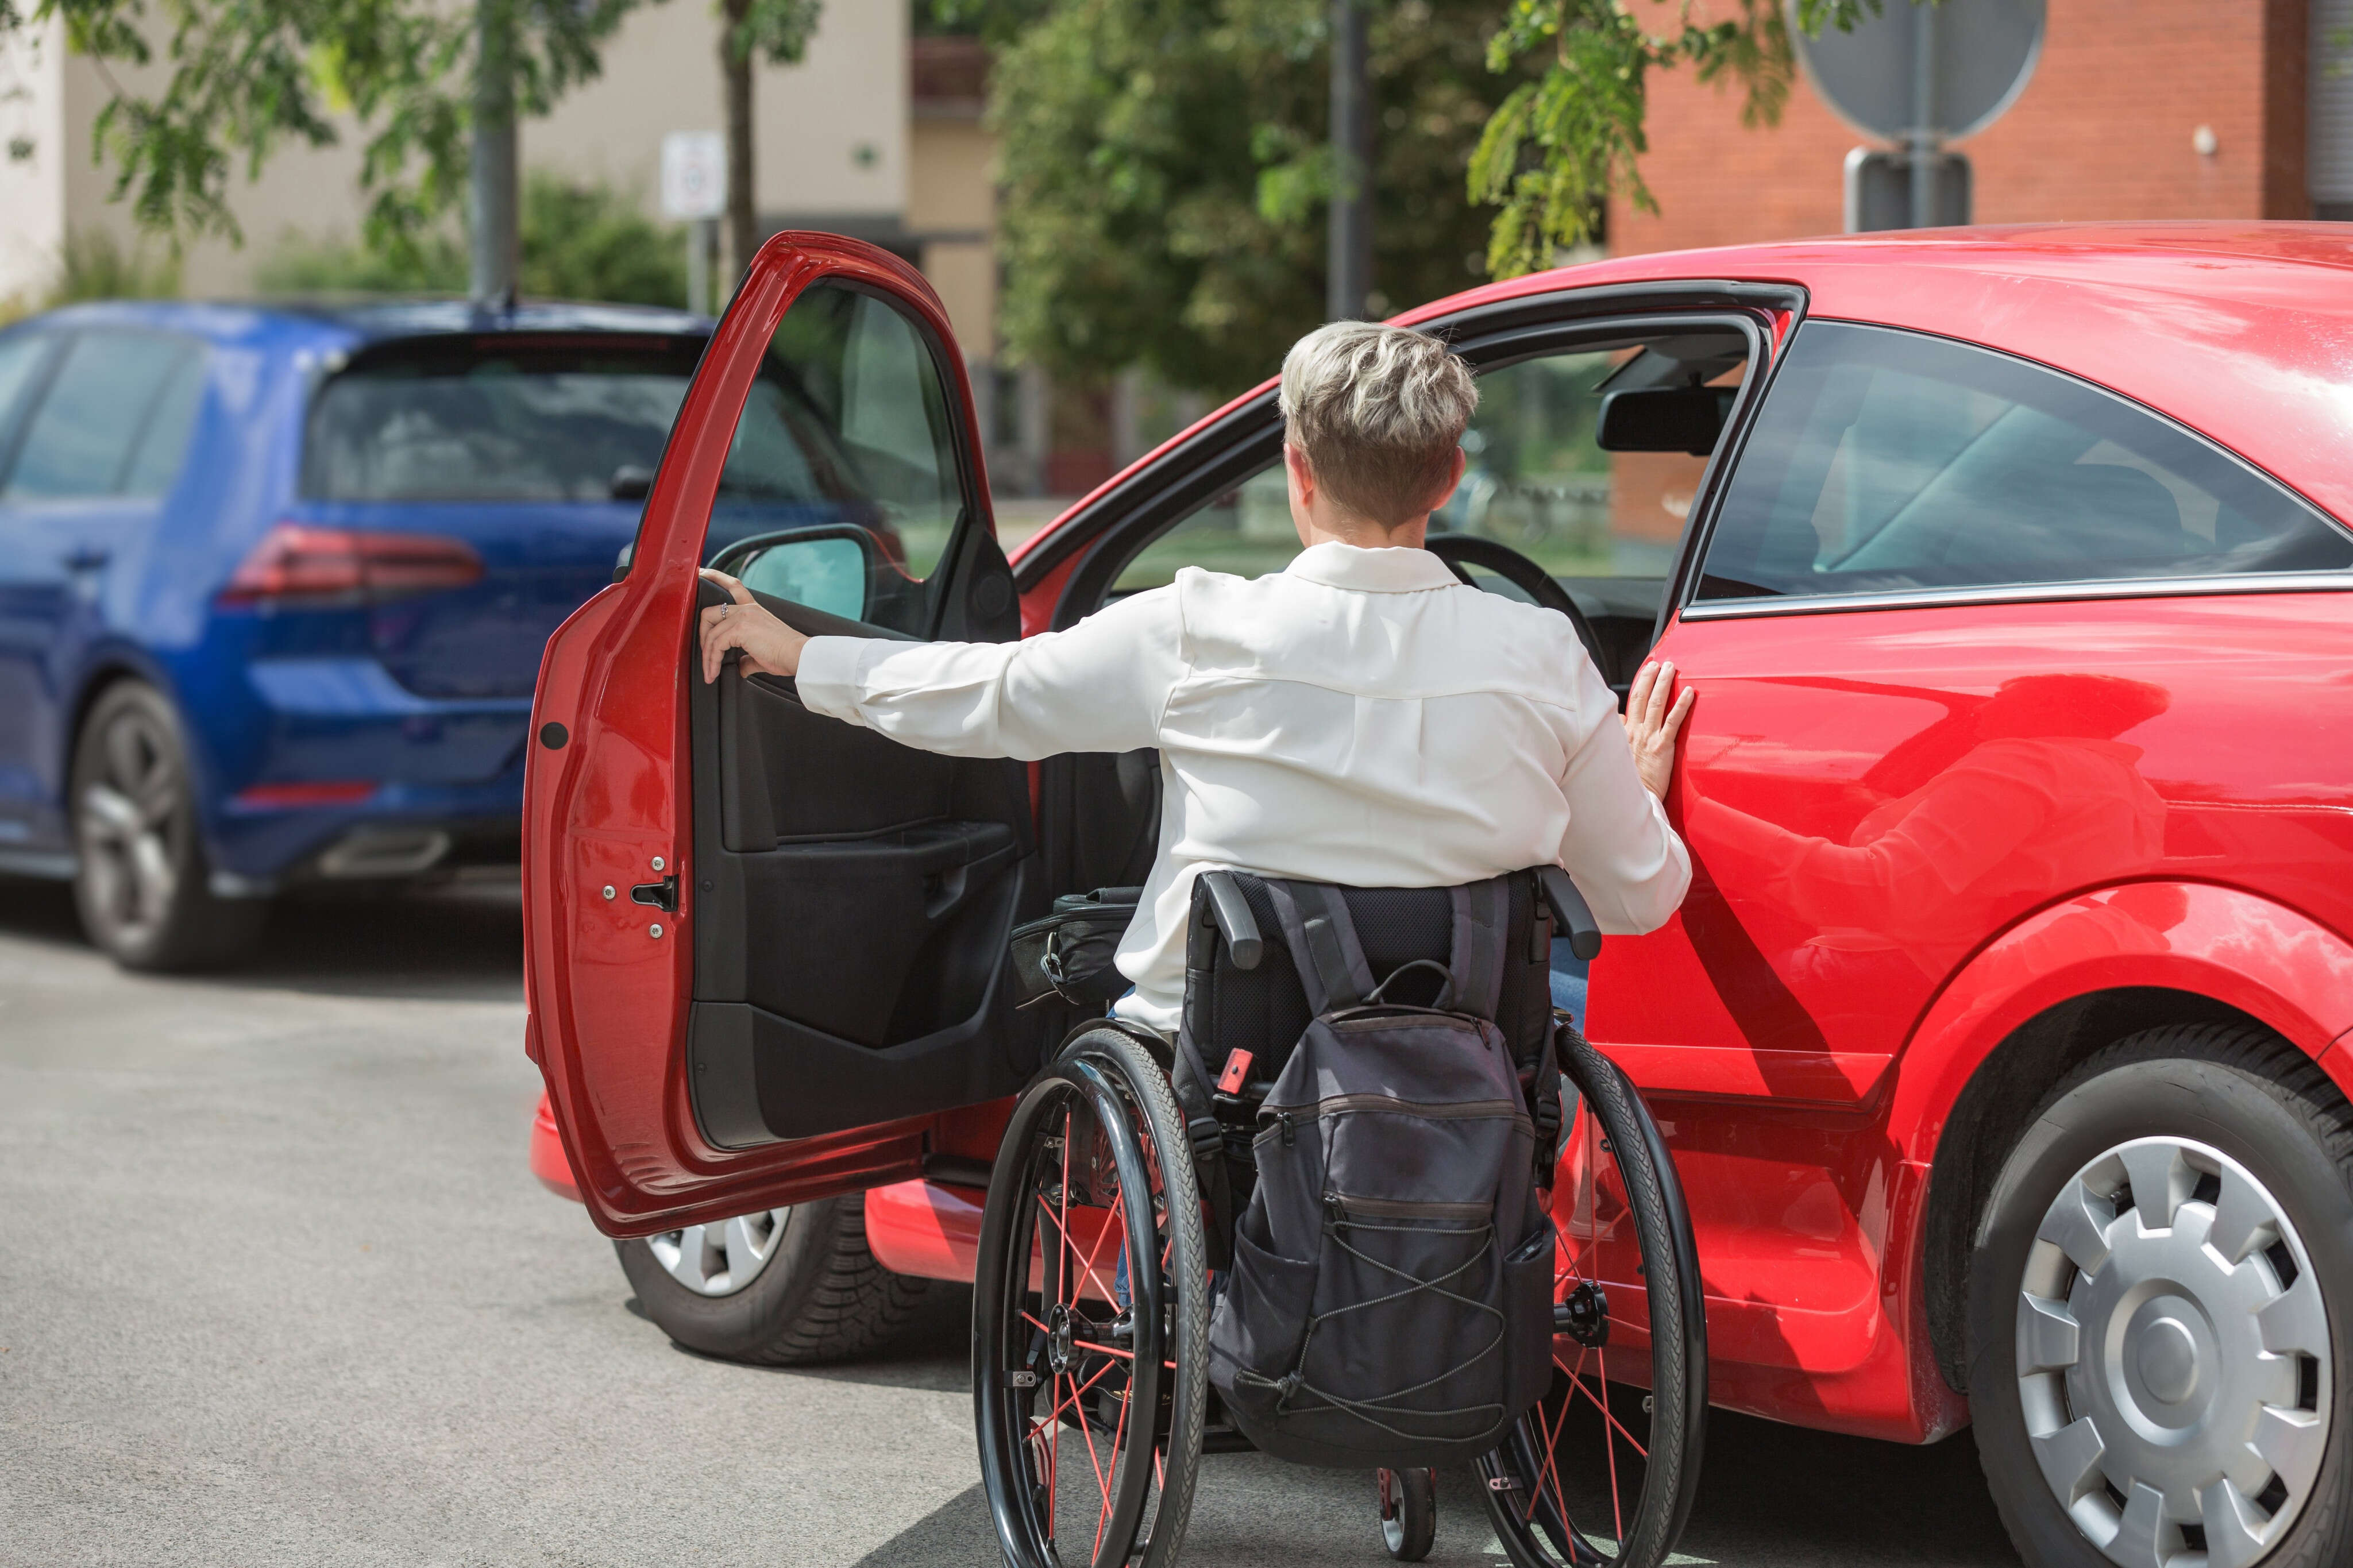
85 558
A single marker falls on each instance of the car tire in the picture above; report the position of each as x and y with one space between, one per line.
2133 1385
816 1293
141 885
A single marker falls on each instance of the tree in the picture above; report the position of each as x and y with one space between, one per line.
1165 173
1560 146
577 242
424 80
778 31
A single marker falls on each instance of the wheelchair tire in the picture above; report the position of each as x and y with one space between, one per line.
1091 1315
1601 1473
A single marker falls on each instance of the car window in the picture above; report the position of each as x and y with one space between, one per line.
476 420
112 421
22 354
847 425
1886 461
1534 476
1245 531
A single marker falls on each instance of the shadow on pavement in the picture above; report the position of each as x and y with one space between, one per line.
458 941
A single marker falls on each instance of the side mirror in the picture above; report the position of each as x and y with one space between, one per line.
830 567
1664 419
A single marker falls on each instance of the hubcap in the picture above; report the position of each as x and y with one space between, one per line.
127 822
2173 1356
721 1258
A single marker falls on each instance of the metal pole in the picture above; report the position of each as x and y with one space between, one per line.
698 265
496 250
1923 117
1348 275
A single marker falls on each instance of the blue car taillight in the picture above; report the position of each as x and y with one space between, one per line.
299 564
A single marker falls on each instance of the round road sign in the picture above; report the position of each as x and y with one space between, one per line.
1968 58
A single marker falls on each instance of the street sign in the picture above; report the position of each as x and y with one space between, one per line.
1879 190
1948 70
694 175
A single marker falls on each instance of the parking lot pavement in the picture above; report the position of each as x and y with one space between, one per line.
276 1288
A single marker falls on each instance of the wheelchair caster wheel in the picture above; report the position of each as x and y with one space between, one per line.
1408 1512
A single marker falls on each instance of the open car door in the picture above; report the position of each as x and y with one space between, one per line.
763 947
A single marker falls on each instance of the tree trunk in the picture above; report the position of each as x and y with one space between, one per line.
497 244
735 71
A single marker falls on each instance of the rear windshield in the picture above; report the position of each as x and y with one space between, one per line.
501 419
492 419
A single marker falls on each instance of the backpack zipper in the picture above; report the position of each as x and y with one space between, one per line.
1341 1205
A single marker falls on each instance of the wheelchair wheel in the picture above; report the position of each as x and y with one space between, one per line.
1605 1469
1090 1316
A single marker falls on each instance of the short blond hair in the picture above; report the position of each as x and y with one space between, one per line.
1378 411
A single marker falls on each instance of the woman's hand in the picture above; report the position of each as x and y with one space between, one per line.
770 647
1652 725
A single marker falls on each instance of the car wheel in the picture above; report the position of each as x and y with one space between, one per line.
779 1286
2161 1311
140 882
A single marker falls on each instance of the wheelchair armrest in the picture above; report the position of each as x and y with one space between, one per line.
1234 919
1572 916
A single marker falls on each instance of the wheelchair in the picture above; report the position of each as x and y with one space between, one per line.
1110 1212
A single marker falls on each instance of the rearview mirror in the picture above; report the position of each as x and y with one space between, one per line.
827 568
1664 419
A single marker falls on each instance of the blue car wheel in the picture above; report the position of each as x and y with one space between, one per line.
139 880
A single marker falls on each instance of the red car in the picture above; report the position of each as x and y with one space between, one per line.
1999 1043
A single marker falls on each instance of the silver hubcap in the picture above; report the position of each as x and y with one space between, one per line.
723 1256
2173 1357
128 818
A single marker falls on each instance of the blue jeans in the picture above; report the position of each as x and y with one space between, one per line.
1569 976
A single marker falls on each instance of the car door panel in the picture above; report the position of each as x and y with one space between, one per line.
764 946
870 891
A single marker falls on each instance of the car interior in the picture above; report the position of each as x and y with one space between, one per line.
857 896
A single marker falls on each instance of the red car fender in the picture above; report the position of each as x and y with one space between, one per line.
2260 957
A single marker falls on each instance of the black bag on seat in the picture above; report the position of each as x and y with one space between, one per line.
1069 951
1390 1301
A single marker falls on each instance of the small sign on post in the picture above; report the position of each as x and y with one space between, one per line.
694 191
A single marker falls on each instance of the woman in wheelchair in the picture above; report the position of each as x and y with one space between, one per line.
1363 759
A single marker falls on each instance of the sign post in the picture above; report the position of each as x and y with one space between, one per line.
694 192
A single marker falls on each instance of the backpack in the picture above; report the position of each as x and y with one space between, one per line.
1388 1300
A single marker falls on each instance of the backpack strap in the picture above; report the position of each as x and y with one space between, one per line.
1323 942
1483 914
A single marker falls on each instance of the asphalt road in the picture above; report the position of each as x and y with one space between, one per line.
277 1287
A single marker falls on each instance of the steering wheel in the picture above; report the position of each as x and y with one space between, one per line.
1461 551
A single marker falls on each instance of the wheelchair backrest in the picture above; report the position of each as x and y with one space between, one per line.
1265 1009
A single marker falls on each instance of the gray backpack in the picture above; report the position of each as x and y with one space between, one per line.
1389 1299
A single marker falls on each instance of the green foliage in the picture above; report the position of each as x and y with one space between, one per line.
1561 146
248 77
777 30
94 265
1164 177
579 242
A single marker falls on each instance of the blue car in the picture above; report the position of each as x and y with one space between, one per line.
274 583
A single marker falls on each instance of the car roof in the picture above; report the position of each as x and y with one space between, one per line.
2242 331
355 324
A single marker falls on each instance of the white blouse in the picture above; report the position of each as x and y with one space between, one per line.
1359 718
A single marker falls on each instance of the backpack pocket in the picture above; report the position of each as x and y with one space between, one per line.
1528 1282
1260 1321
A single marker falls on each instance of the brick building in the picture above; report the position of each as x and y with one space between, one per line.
2107 128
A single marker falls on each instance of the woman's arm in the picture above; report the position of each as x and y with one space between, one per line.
1098 687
